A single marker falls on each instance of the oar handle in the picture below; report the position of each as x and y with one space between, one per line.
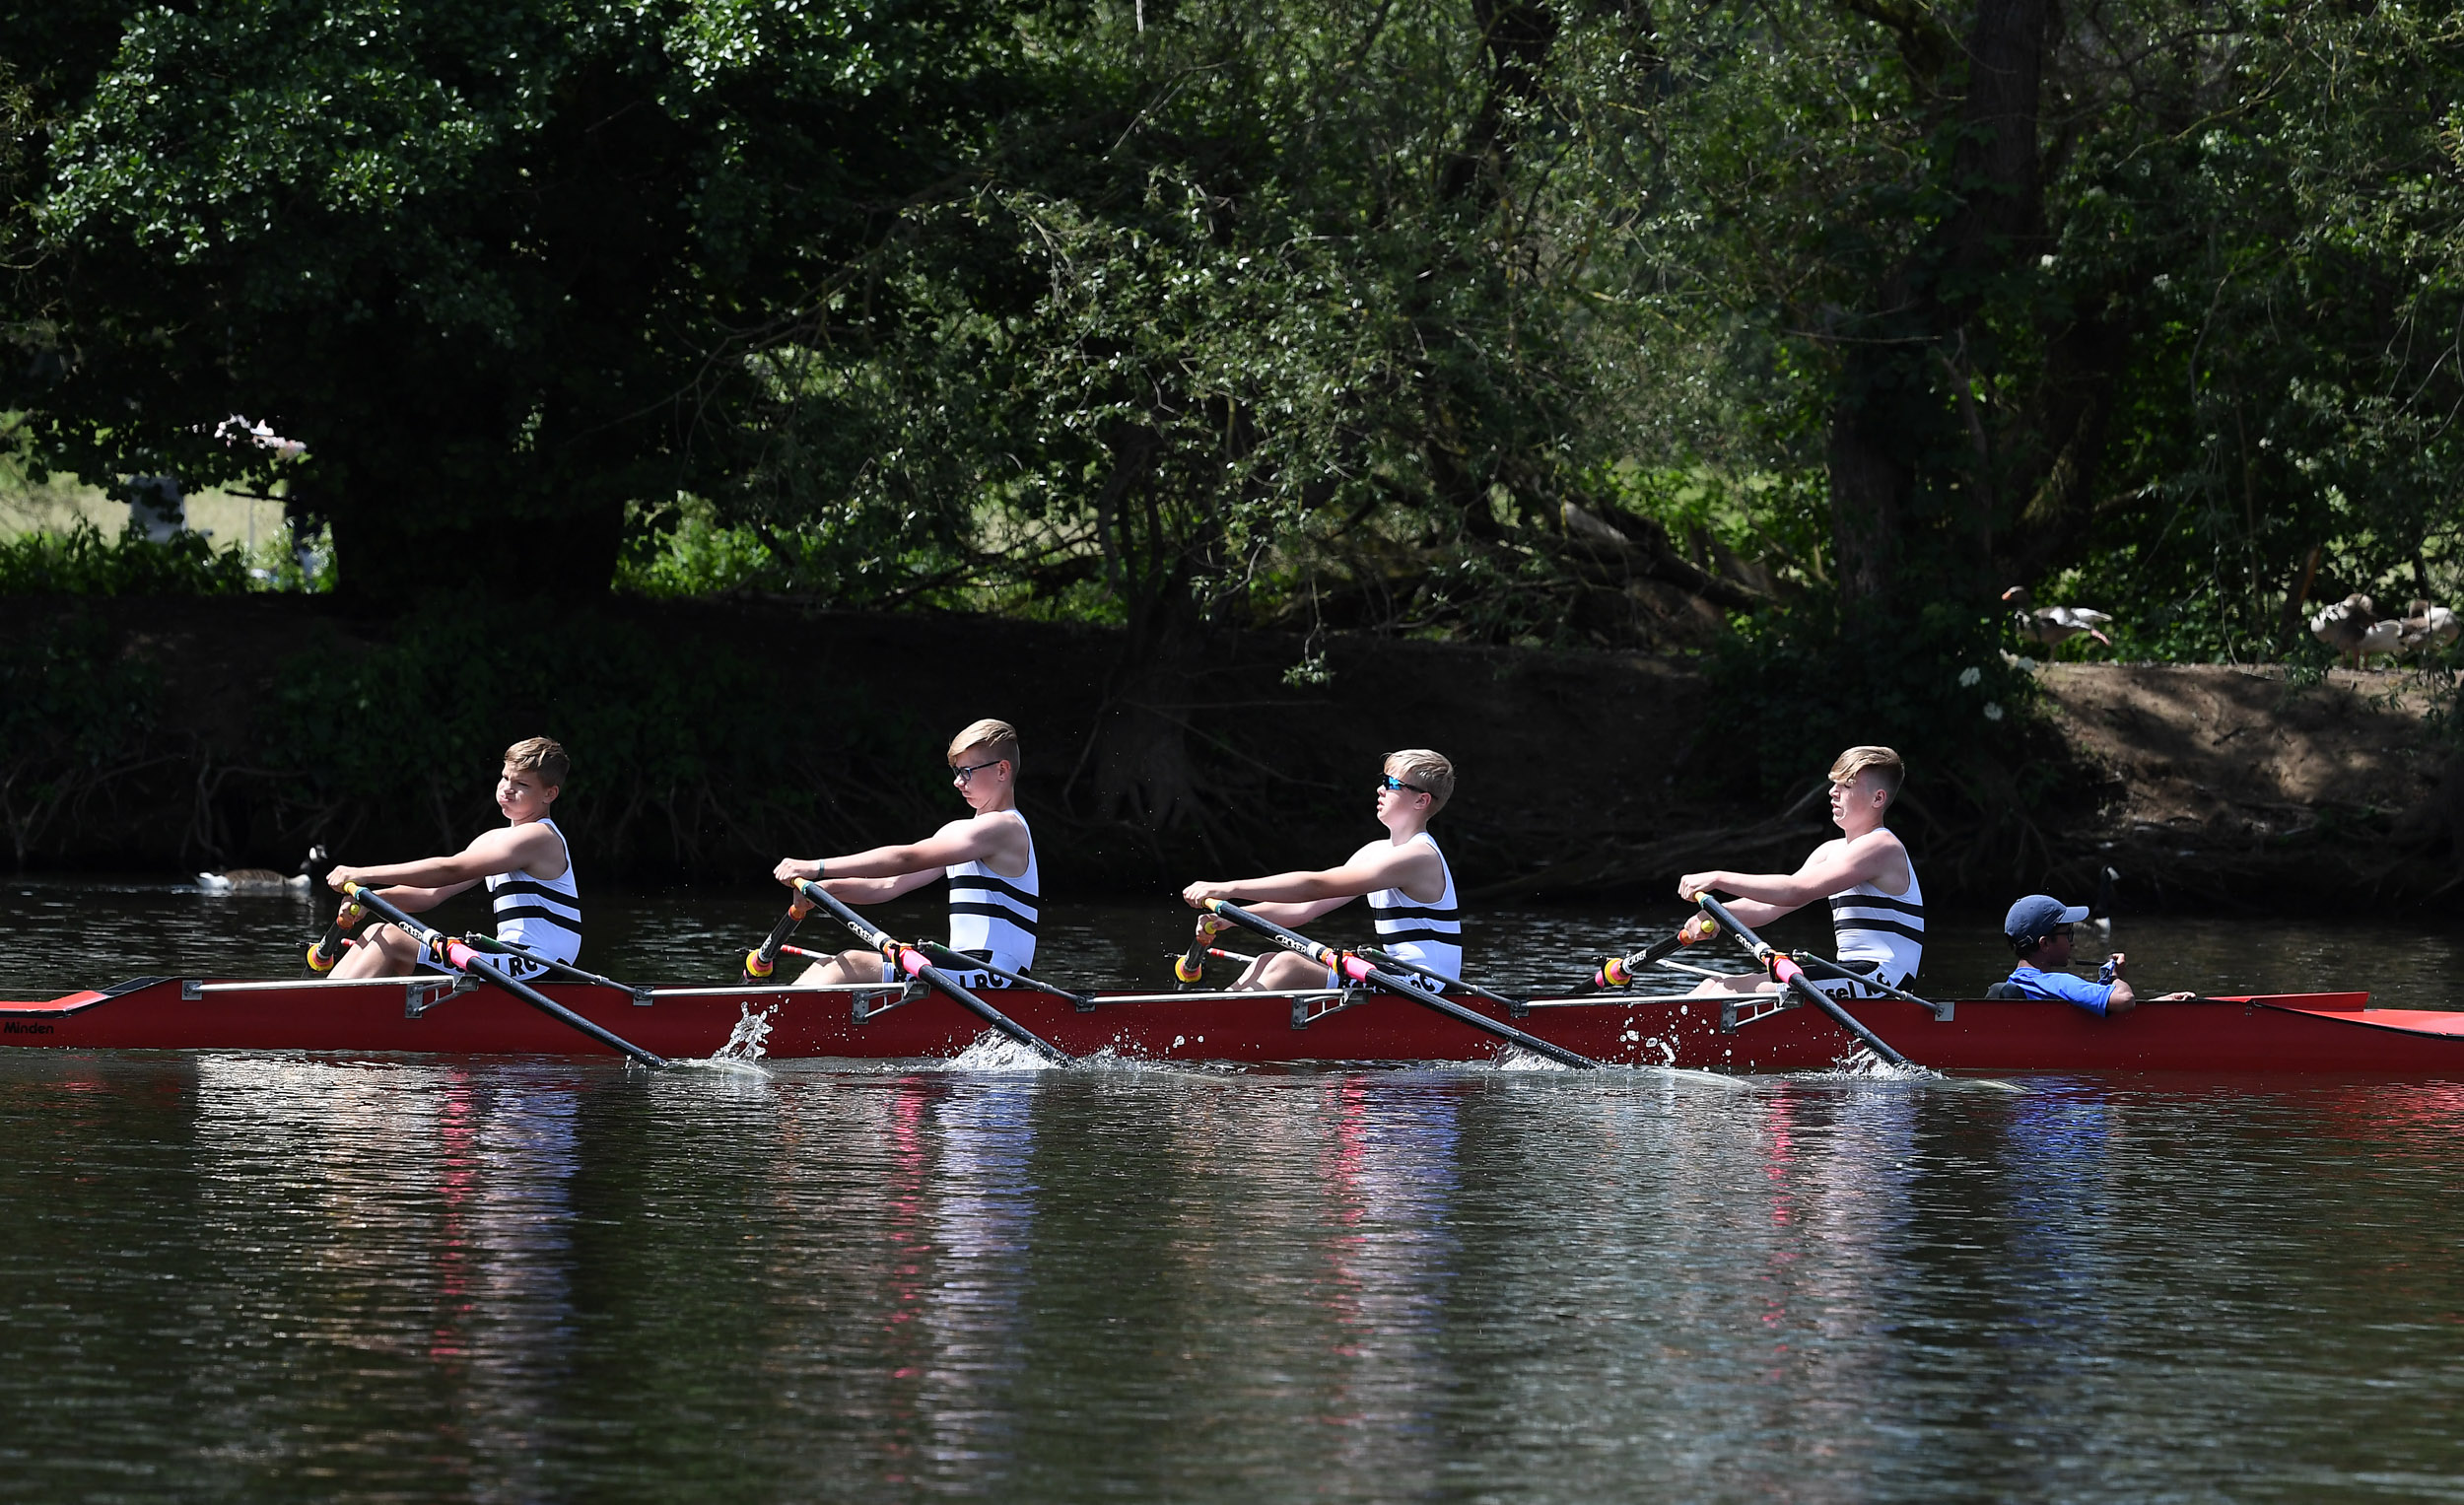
1791 977
1617 971
458 955
764 958
324 952
1191 965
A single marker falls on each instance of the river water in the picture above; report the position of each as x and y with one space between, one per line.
288 1277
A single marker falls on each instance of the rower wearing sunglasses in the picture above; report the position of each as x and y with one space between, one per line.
995 892
1404 877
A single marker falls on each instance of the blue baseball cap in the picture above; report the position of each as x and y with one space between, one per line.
2037 914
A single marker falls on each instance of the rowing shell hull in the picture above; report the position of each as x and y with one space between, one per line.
2303 1031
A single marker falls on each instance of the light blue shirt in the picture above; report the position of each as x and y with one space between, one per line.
2062 986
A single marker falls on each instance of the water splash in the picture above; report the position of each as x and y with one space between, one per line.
747 1044
997 1051
1514 1058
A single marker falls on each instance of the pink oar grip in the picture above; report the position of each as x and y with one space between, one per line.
909 962
1784 971
458 954
1355 968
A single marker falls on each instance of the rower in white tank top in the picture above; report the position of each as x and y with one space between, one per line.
1428 934
993 916
542 915
1888 931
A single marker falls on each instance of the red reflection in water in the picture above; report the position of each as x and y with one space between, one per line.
908 1287
457 1135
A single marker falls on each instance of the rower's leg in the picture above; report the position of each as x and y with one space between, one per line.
382 951
1280 972
1740 981
848 968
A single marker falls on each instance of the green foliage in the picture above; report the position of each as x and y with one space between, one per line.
83 562
1789 693
75 714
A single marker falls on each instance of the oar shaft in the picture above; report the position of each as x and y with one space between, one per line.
912 963
1785 971
764 958
462 957
965 962
1344 964
1385 958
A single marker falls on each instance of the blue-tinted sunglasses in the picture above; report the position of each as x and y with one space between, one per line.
1389 781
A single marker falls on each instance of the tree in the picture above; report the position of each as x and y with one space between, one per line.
473 254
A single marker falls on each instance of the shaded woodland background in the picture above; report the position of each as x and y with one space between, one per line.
1781 337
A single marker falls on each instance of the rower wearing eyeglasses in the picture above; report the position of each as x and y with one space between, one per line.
995 892
1404 877
2038 928
1877 908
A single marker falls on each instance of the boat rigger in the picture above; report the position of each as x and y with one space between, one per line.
2307 1033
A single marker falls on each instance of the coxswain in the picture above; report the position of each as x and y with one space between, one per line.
1878 907
989 858
526 866
2038 928
1404 877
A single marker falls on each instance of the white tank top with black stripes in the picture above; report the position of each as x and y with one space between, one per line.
542 915
993 916
1428 934
1886 929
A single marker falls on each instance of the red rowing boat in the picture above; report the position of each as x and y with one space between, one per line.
2290 1032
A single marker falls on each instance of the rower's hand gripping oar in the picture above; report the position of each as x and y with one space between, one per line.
1617 971
1791 977
912 961
447 951
327 951
759 961
1345 963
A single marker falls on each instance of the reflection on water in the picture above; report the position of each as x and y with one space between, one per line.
265 1278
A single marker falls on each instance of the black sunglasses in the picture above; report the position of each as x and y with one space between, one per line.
963 772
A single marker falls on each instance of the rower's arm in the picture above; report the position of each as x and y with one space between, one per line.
879 890
509 849
1297 915
1761 897
1406 868
1000 843
413 901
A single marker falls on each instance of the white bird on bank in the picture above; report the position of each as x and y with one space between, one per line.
2427 626
2345 625
2050 625
262 880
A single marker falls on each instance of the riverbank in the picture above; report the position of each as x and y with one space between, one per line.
709 737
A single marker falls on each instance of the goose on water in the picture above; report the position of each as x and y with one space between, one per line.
262 880
2050 625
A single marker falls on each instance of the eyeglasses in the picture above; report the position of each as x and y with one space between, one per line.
1389 781
962 772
